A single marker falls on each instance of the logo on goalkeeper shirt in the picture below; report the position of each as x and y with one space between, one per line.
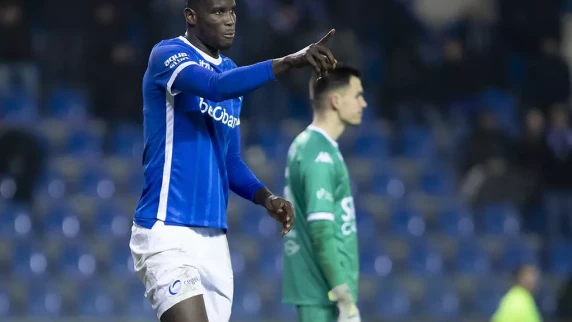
324 194
218 113
324 157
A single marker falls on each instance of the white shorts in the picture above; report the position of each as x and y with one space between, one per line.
176 263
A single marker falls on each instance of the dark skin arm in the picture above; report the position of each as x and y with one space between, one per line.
278 208
317 55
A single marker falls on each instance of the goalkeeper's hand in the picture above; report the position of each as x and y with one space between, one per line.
342 295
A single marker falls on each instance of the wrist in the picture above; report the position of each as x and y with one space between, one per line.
280 65
261 196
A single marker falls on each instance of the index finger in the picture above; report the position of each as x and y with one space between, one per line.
327 37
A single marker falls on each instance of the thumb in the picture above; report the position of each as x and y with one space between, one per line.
327 37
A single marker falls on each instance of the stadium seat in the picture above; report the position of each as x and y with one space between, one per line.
456 222
97 183
96 300
138 306
366 224
61 222
111 221
441 301
436 182
248 303
372 146
29 260
423 259
500 219
407 222
15 221
270 259
488 296
387 183
128 141
374 260
5 303
69 104
121 260
43 299
83 143
561 258
393 302
18 108
77 262
472 258
516 253
417 142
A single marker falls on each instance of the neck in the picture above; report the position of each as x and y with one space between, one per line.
193 39
333 126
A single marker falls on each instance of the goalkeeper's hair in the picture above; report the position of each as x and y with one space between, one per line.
334 79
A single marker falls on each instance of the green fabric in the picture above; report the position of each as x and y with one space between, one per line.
517 306
321 250
314 313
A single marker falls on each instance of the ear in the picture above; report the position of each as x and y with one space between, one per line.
335 100
190 16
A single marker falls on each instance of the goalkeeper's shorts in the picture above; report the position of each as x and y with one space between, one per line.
317 313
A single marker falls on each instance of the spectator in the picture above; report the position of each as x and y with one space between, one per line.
16 54
21 162
548 80
558 171
518 304
488 177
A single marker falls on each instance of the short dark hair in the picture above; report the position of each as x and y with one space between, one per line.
192 4
334 79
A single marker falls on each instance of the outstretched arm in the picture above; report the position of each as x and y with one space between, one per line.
174 70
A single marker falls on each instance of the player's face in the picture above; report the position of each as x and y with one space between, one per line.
529 277
352 103
216 22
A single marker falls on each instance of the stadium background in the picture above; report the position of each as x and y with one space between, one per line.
461 171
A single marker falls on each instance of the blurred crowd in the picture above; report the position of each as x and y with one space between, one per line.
498 71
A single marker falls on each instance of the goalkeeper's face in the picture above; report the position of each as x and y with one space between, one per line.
352 103
216 22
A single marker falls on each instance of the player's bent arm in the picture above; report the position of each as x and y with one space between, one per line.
240 178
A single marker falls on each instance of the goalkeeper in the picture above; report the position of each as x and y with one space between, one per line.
321 269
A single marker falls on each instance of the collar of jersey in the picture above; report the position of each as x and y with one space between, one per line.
212 60
319 130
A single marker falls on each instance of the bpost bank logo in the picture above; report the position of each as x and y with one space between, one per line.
218 113
177 285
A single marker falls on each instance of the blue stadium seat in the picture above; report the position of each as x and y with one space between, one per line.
417 142
138 306
19 108
52 184
15 221
435 182
424 259
516 253
270 259
128 141
77 262
97 183
96 300
111 221
561 258
6 309
472 258
121 264
375 260
43 299
61 222
393 301
372 146
388 183
247 302
488 295
456 222
441 301
136 181
29 260
70 104
501 219
256 222
83 143
547 301
407 222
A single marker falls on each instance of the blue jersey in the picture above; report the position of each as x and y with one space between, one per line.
191 124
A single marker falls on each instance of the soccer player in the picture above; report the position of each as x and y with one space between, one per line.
321 269
192 100
518 304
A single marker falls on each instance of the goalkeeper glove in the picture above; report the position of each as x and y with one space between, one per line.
342 295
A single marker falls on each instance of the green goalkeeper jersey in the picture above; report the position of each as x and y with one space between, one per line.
318 185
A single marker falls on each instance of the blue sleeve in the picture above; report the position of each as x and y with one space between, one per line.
241 179
176 71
